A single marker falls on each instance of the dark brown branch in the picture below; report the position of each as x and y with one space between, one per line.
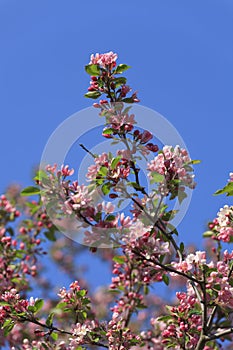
167 268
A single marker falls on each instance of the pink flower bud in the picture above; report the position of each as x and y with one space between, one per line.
102 102
146 136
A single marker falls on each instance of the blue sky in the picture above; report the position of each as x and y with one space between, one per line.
181 53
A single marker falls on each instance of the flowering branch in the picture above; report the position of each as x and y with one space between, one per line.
147 245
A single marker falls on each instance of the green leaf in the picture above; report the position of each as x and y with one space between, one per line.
30 191
92 69
38 304
54 336
106 188
164 318
161 258
50 235
110 218
120 81
49 320
194 311
195 161
40 175
108 131
221 191
81 293
114 162
181 247
35 209
217 287
181 196
121 68
93 94
119 259
61 305
85 301
99 182
98 216
103 171
146 290
141 307
136 186
84 314
169 215
126 110
113 291
172 229
208 234
4 303
120 202
156 177
228 189
51 205
128 100
6 323
31 308
166 279
8 326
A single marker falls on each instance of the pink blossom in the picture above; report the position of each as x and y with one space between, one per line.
173 164
66 171
120 171
121 120
104 60
108 207
222 226
79 333
51 168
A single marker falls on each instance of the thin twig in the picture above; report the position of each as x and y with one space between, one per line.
87 150
167 268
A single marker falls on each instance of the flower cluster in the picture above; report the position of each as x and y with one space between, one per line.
183 325
27 345
103 71
104 60
191 262
79 201
173 164
222 225
12 305
120 337
80 333
10 212
20 249
118 122
144 251
68 295
218 276
67 198
109 168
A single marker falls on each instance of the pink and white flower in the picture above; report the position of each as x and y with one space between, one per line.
104 60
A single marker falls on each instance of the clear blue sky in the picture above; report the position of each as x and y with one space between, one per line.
182 57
